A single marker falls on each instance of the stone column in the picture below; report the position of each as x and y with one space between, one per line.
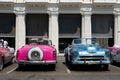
86 25
53 28
20 38
117 29
20 30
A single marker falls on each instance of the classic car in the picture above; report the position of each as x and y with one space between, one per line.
115 53
87 52
38 52
6 55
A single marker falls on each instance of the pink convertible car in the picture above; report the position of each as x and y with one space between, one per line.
115 53
39 51
6 55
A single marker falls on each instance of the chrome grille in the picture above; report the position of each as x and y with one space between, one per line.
91 58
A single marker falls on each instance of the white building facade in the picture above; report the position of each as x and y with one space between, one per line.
59 19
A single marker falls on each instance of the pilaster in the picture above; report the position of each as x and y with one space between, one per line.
117 26
53 28
20 26
86 23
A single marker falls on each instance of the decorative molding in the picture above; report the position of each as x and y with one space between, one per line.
53 8
19 10
86 9
86 13
37 5
5 5
54 12
103 6
117 11
68 6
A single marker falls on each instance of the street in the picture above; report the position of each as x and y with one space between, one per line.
62 72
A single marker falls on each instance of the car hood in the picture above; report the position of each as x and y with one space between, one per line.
85 49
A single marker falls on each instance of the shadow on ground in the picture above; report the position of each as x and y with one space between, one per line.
116 64
84 67
35 68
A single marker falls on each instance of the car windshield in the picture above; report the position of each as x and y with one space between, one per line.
44 42
84 41
77 41
40 41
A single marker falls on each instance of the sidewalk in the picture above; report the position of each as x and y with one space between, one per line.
60 58
60 54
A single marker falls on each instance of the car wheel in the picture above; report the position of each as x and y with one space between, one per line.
70 62
52 66
20 66
12 60
105 66
1 64
111 60
66 59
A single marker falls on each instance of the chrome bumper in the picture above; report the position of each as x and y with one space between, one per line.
36 62
90 62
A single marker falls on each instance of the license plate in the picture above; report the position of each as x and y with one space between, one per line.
92 62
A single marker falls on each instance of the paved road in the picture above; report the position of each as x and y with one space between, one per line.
62 72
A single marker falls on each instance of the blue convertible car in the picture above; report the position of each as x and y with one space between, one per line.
87 52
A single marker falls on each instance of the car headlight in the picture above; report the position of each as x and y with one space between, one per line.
108 53
75 52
